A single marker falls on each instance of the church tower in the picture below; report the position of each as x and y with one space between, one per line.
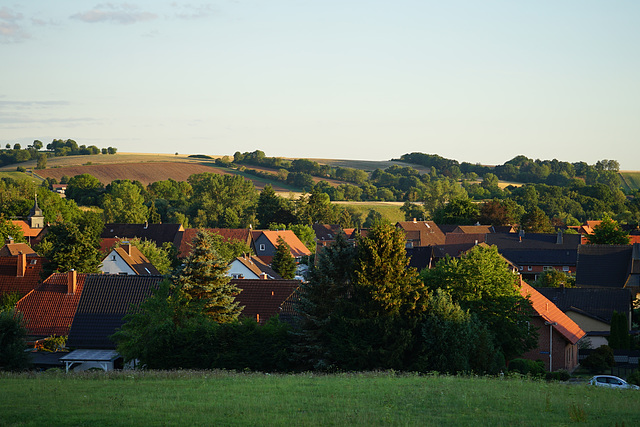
36 218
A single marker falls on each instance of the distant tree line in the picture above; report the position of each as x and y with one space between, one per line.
57 148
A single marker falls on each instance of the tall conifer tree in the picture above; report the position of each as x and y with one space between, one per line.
203 279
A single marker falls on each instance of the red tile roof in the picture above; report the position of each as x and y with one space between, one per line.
26 228
464 238
49 309
262 299
550 313
186 237
10 281
107 244
298 248
473 229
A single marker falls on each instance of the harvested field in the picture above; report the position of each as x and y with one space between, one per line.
146 173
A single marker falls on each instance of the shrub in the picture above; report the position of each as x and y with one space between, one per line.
634 378
559 375
21 169
535 368
599 360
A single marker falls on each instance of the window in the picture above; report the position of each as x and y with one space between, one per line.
547 268
521 268
529 268
262 247
565 268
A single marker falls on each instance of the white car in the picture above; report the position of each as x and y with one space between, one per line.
611 382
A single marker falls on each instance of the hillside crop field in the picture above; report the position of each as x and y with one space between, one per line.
630 180
225 398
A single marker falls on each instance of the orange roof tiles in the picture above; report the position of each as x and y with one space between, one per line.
13 249
49 309
298 249
550 313
26 228
11 281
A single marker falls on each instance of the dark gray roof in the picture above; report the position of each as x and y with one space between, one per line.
104 302
158 233
537 248
596 303
535 241
603 265
420 256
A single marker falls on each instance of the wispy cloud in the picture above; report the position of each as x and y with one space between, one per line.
123 13
191 11
11 29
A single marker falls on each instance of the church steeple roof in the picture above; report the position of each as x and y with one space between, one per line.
35 210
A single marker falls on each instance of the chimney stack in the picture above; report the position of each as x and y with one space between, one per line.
22 264
264 276
9 240
559 237
127 248
72 280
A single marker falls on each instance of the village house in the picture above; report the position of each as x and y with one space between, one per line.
558 334
127 259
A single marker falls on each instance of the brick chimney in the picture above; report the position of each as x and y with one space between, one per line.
22 264
72 281
264 276
127 248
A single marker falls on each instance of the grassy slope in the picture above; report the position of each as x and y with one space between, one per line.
630 180
210 398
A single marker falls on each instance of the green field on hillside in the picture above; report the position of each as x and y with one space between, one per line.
19 175
224 398
630 181
388 210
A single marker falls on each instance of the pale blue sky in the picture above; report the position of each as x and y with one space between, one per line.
476 81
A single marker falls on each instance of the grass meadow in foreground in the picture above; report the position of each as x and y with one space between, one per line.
225 398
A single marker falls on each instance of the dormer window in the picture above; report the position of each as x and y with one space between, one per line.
262 247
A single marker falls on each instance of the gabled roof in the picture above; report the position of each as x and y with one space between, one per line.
11 281
420 257
257 266
429 232
550 313
185 237
326 231
262 299
474 229
105 300
537 248
537 241
13 249
464 238
158 233
49 309
298 248
597 303
605 266
132 256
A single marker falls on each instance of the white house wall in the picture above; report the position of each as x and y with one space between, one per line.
117 266
237 268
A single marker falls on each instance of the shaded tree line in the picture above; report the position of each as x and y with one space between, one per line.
57 148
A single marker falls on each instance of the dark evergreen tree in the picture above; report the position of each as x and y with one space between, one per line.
619 338
13 342
204 281
154 216
283 262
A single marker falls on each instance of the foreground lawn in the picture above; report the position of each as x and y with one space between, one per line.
220 398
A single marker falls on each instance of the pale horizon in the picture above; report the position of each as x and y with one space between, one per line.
478 82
